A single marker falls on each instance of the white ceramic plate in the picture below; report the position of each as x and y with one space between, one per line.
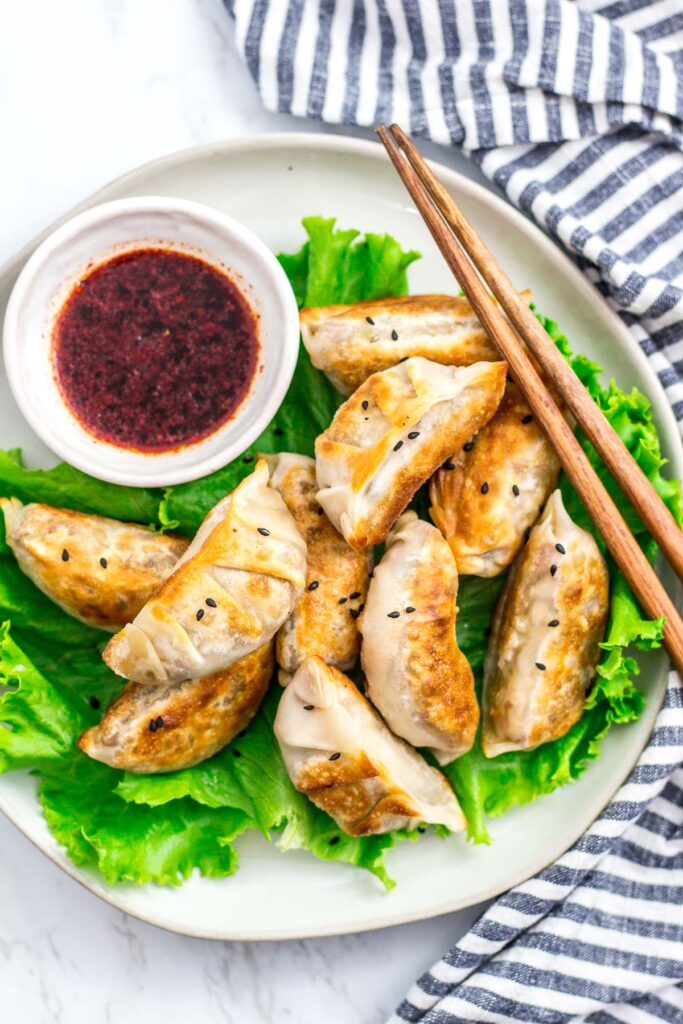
269 184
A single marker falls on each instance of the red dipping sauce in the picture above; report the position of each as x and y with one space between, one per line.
155 349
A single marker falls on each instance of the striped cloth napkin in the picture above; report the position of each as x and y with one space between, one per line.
575 111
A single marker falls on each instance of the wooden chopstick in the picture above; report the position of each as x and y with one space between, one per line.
650 508
602 510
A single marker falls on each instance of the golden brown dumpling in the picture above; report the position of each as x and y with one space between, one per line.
99 570
391 435
236 584
547 626
152 728
417 677
338 751
324 620
348 343
492 490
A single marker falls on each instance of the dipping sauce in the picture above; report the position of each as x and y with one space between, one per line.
155 349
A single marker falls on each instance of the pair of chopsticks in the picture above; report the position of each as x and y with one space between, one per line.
511 325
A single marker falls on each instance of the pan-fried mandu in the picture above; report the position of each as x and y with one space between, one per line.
392 434
324 620
417 677
338 751
547 626
501 481
232 590
151 728
349 343
99 570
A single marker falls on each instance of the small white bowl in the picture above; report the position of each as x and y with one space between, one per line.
92 238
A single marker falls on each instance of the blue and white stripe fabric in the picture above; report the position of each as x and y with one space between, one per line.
575 110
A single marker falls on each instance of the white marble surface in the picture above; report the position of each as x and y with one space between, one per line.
90 89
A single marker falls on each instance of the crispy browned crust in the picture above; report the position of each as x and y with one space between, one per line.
441 679
199 718
137 564
320 625
475 523
426 457
354 793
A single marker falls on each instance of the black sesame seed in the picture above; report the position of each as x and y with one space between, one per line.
103 563
342 600
553 570
364 404
355 595
334 757
153 725
264 533
561 549
449 465
410 609
468 447
360 608
313 585
540 666
334 840
211 603
65 555
309 707
399 444
394 335
354 612
527 419
515 490
393 615
95 703
413 434
200 614
370 321
248 459
484 488
236 752
160 722
553 623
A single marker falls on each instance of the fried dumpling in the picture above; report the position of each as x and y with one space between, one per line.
417 677
151 728
324 620
348 343
338 751
229 594
99 570
493 490
392 434
547 626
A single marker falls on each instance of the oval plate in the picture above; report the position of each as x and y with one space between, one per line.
269 183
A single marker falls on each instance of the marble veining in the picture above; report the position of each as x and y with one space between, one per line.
92 88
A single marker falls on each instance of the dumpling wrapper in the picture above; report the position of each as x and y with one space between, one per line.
229 594
417 677
136 560
512 456
324 620
547 626
338 751
198 717
392 434
349 343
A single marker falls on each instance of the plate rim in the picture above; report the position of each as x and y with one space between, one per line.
454 179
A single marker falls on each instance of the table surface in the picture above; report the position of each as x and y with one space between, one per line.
93 88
